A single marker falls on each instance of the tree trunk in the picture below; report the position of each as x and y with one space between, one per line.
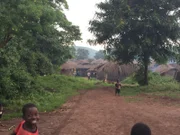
146 63
146 73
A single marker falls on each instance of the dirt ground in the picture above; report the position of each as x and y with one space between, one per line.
100 112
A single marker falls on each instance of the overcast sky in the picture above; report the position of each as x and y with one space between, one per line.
79 13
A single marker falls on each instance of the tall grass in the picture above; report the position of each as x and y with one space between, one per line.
157 84
51 92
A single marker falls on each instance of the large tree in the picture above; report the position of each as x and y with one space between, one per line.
137 29
82 54
99 55
35 38
38 26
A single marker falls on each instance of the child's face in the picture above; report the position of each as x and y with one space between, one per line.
31 116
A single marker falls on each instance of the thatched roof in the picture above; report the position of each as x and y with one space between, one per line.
84 61
81 66
87 64
124 69
177 66
69 65
98 62
164 68
95 67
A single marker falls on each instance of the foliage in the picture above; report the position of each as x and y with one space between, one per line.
99 55
82 54
141 29
92 52
153 79
176 49
35 38
158 85
50 93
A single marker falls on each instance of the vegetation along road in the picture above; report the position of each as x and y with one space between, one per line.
100 112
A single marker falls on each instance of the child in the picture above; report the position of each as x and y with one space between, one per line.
117 87
89 75
140 129
1 110
29 124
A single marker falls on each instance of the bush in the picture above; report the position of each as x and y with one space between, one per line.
50 92
157 83
14 82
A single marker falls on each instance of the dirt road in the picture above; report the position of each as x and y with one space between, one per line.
99 112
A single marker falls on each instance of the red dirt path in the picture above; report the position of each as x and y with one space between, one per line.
99 112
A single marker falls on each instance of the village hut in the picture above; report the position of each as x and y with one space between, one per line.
68 68
98 62
82 69
166 70
177 75
112 71
153 65
85 66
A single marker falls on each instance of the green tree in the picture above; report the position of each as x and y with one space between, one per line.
141 29
99 55
35 38
82 54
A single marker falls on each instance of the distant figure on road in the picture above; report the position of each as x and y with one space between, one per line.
140 129
117 87
89 75
1 110
95 75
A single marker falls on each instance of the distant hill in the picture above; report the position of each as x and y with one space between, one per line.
92 52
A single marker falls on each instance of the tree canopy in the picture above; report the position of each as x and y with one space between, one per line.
99 55
35 38
82 54
137 29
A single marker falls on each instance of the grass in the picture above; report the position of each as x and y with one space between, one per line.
54 90
51 93
158 85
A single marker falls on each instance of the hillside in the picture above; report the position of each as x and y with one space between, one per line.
92 52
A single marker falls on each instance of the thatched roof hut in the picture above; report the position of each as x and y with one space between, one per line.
177 75
172 70
113 71
68 68
166 70
69 65
98 62
177 66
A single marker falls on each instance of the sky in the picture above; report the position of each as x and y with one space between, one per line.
80 13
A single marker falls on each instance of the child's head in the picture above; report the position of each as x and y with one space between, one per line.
30 113
117 81
140 129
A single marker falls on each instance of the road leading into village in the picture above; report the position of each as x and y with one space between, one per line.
99 112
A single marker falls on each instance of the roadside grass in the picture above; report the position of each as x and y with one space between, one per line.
52 91
158 86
